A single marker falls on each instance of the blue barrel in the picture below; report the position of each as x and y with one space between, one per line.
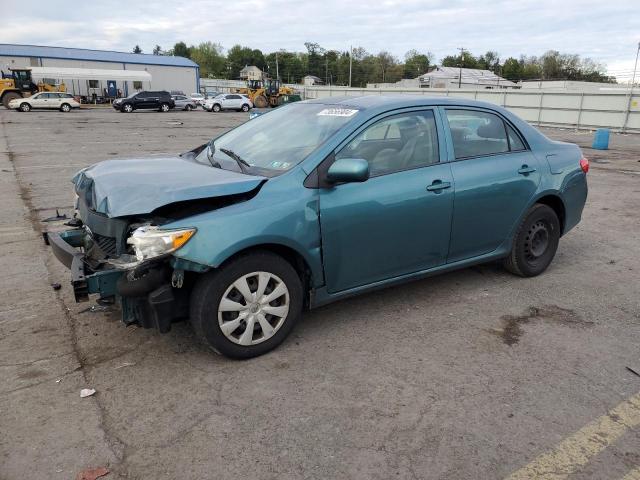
601 139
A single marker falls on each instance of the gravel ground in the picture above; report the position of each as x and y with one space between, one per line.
468 375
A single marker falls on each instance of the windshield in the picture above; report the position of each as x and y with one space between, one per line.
277 141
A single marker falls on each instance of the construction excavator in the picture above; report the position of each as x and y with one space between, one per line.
268 93
18 83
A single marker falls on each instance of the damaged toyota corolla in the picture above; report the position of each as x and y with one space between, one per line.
314 202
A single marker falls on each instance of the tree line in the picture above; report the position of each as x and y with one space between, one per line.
332 66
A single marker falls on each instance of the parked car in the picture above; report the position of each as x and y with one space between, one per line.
229 101
160 101
242 234
198 98
182 102
48 100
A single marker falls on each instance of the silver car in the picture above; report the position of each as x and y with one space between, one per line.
183 102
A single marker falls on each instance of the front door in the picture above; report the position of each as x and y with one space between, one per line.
398 221
496 176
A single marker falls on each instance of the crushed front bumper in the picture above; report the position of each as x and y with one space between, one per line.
66 247
149 301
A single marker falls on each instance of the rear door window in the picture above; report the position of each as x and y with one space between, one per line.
476 133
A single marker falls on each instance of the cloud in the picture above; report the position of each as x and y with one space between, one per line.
605 31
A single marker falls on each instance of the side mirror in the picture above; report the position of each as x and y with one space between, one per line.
347 170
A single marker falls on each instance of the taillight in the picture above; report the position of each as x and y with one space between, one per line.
584 164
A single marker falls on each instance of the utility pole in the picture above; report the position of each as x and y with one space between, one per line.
633 81
460 73
326 71
277 72
350 62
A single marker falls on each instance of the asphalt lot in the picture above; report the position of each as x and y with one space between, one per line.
470 375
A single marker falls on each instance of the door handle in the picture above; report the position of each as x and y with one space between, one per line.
526 169
438 185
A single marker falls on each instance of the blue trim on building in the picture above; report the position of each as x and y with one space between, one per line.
63 53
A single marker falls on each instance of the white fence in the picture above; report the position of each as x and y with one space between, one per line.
616 110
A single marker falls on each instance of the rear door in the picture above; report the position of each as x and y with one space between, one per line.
398 221
495 176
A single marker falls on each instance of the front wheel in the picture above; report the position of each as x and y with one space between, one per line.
25 107
535 242
127 108
216 108
248 307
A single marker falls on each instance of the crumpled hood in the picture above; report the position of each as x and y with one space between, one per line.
119 188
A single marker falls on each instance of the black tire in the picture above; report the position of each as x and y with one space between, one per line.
25 107
164 107
216 108
126 108
7 97
210 288
245 108
189 108
65 107
535 242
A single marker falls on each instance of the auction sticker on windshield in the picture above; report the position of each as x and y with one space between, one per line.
337 112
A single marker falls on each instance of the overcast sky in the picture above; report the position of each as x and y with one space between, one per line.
608 31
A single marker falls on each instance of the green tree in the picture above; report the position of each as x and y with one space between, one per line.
180 49
208 56
416 63
157 50
137 49
315 64
512 70
239 57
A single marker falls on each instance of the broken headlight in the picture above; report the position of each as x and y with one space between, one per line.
149 241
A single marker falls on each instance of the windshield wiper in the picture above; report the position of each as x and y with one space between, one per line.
242 163
210 149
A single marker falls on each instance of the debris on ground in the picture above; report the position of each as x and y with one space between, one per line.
634 370
87 392
56 286
175 123
125 364
56 217
96 308
92 473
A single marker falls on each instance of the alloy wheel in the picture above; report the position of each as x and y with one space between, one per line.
253 308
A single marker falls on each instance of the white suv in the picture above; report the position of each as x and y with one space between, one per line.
51 100
228 101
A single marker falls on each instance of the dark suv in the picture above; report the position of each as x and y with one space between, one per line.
160 101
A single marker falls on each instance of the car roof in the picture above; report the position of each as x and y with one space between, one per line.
397 101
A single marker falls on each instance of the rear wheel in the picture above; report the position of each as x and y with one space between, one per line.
164 107
65 107
535 243
25 107
245 108
248 307
7 97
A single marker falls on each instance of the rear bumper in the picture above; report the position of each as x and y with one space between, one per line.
66 246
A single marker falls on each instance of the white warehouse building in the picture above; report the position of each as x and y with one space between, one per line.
103 73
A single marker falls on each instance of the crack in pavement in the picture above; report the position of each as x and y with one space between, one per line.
114 444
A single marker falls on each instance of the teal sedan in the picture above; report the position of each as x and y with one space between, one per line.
315 202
